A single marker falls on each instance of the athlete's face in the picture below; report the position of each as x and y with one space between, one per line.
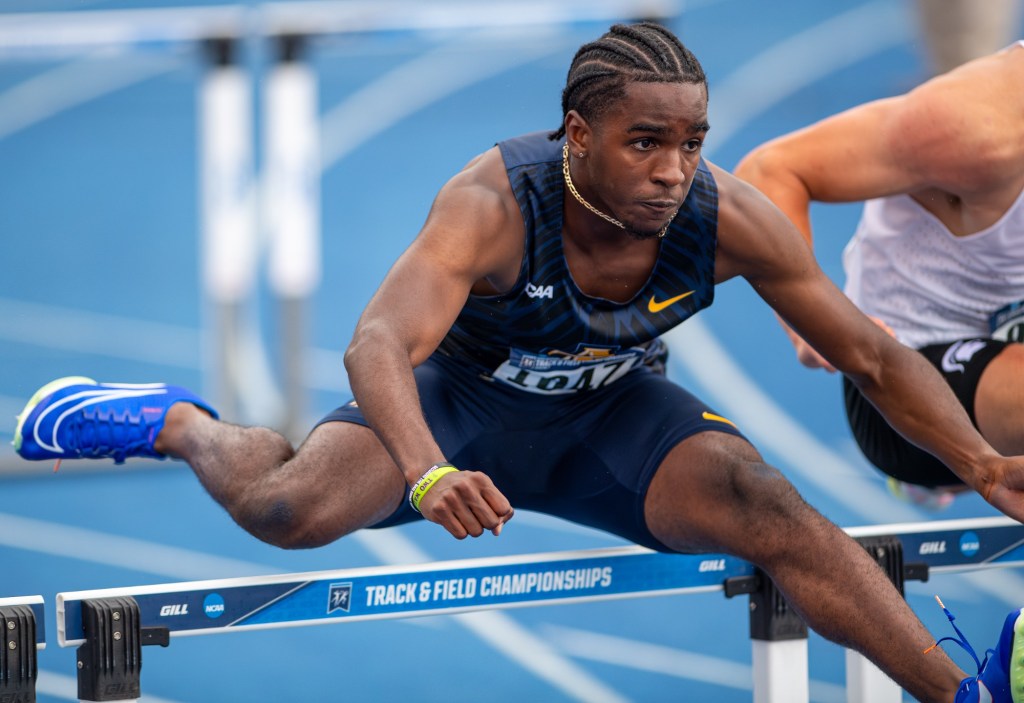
643 153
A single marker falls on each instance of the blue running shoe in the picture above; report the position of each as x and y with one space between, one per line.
78 418
1000 676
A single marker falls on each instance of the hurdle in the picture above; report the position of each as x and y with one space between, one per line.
111 625
23 622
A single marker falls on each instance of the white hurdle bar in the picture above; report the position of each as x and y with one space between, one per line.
912 550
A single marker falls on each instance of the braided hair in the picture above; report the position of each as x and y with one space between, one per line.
644 53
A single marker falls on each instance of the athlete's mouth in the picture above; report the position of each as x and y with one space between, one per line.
660 207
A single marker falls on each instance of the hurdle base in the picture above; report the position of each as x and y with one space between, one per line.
110 661
18 665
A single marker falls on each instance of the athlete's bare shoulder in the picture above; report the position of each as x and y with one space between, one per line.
964 128
477 212
754 237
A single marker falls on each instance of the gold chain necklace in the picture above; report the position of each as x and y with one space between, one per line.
579 198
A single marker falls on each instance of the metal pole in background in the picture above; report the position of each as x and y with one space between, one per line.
229 244
292 199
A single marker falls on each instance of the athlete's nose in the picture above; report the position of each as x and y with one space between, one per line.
668 169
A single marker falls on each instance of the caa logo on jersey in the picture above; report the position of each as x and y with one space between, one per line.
540 291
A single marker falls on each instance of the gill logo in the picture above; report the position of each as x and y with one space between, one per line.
657 306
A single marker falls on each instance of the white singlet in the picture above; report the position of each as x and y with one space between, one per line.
906 268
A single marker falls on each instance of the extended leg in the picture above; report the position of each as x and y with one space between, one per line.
713 492
340 480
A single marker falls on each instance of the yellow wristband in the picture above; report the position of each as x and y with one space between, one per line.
426 481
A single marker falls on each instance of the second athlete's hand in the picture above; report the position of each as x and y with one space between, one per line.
466 503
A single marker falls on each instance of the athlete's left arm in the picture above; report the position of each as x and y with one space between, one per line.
756 241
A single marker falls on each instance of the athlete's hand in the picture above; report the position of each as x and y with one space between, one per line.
466 503
1003 485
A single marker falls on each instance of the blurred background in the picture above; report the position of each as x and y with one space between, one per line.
208 194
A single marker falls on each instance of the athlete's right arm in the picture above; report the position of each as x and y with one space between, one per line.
472 240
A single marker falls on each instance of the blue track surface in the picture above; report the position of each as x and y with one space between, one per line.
99 224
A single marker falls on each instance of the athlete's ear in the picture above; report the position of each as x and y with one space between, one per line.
578 134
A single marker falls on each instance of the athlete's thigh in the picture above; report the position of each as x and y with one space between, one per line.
713 492
348 474
999 400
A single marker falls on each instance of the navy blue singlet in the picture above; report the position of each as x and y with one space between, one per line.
545 335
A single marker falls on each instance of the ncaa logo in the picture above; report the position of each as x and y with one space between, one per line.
213 605
969 544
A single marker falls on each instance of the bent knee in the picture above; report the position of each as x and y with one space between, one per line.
280 524
720 495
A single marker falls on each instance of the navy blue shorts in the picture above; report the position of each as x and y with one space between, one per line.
961 363
586 457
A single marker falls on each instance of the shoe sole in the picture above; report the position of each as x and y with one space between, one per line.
40 395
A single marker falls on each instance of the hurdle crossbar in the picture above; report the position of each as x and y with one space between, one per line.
389 592
374 593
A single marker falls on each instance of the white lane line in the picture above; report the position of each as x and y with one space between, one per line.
69 542
423 81
766 79
644 656
114 336
71 84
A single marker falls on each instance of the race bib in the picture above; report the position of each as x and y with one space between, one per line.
1007 323
560 373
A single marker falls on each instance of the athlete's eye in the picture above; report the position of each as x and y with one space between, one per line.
692 145
644 144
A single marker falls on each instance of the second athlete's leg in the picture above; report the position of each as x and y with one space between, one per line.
999 401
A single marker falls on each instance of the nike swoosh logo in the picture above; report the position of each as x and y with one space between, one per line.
656 306
73 403
718 418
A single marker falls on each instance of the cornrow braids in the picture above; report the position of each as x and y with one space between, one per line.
644 53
